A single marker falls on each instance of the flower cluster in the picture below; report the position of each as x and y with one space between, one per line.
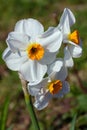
33 52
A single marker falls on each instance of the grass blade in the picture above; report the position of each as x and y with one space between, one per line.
4 113
73 123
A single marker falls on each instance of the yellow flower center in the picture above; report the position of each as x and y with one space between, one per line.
35 51
74 37
55 86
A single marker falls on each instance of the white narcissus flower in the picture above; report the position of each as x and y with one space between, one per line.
53 86
29 51
72 41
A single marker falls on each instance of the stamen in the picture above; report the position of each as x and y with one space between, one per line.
35 51
74 37
55 87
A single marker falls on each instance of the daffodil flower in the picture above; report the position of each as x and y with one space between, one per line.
71 40
53 86
29 52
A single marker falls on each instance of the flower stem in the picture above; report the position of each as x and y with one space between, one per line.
29 104
31 112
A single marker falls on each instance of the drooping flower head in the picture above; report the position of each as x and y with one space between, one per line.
72 41
29 51
53 86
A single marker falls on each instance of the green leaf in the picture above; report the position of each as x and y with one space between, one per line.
82 120
4 113
42 127
73 123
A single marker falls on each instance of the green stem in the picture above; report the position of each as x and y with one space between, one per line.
29 104
31 112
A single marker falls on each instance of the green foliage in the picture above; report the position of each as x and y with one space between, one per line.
81 121
73 123
82 102
41 125
4 114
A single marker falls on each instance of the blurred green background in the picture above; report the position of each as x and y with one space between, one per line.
68 113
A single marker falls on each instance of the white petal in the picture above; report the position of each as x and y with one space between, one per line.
65 89
51 42
55 66
17 41
30 27
34 87
19 26
48 32
48 58
76 51
71 17
14 60
68 61
69 42
42 101
67 13
61 75
33 71
66 28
